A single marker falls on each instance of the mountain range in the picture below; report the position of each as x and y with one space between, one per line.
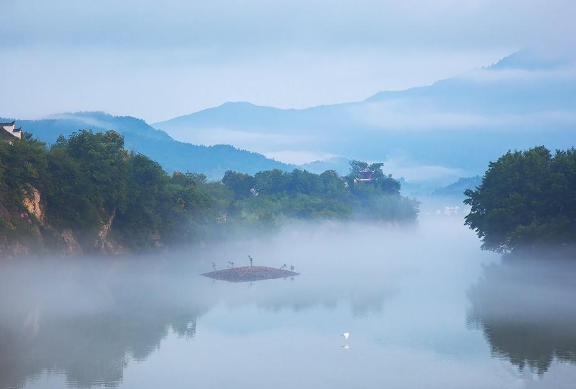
173 155
447 130
431 135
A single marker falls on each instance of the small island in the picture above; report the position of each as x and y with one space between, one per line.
249 273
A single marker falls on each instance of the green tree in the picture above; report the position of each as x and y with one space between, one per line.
272 182
239 183
150 206
21 162
356 167
526 199
87 181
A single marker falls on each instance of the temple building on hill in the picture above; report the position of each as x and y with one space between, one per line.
365 175
10 128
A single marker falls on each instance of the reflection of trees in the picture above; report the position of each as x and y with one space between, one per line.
326 295
89 346
527 311
87 320
360 306
89 349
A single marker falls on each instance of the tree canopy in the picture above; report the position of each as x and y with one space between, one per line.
304 195
527 199
89 180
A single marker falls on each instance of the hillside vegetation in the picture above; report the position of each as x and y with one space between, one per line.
87 193
301 194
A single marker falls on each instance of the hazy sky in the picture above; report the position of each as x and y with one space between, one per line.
160 59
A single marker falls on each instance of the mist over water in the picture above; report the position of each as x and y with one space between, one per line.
425 307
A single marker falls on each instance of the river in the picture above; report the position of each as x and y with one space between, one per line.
424 307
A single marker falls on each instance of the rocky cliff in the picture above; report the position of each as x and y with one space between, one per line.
25 230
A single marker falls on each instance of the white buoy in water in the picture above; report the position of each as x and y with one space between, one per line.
346 335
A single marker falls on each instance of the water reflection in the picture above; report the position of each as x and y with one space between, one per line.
89 319
526 310
88 324
155 322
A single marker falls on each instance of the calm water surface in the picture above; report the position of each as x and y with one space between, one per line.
425 309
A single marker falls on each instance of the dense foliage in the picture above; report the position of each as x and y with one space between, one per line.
88 181
526 199
300 194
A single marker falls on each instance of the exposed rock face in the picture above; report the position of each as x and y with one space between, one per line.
157 240
26 230
102 243
71 246
18 230
18 249
32 202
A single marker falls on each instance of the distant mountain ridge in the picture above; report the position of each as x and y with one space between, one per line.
458 188
213 161
341 165
456 125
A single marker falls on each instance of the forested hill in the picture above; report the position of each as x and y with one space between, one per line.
87 193
213 161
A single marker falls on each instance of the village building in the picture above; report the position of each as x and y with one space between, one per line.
10 129
449 211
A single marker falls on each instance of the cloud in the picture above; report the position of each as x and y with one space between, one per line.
296 23
157 60
419 173
243 139
402 115
553 75
298 157
159 84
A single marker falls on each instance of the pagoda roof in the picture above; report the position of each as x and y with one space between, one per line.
8 124
17 129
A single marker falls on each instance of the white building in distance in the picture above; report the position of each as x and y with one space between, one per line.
449 211
10 128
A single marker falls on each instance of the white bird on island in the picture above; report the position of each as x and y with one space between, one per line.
346 335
